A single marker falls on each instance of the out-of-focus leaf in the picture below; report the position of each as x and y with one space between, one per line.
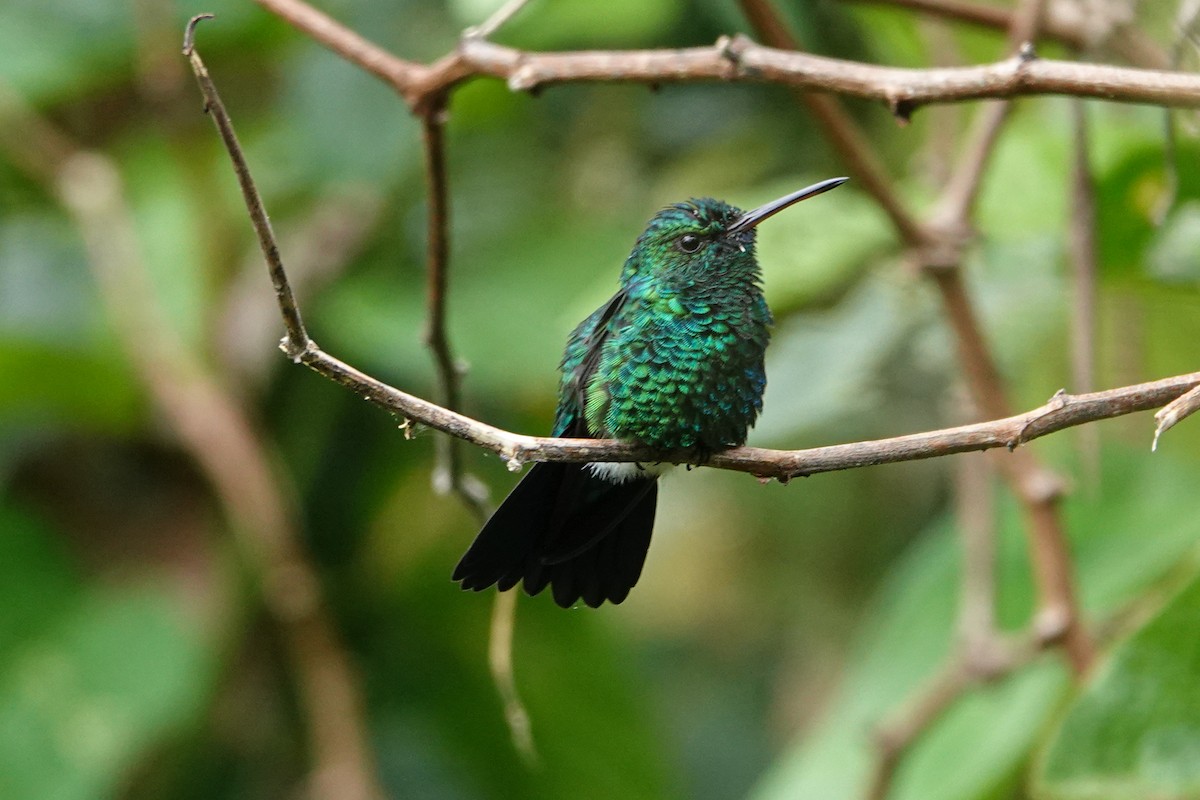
58 387
1134 733
46 292
829 364
339 125
1127 199
594 733
62 47
1174 253
1126 536
823 364
170 222
60 364
1025 192
88 678
36 581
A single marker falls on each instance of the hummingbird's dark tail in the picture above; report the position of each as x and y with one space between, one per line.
562 526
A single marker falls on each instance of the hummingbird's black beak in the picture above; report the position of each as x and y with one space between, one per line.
751 218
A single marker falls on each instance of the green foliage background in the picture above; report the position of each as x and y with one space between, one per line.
773 625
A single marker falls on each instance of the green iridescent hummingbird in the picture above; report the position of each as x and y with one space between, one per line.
674 361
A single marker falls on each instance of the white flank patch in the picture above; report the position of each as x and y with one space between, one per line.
619 473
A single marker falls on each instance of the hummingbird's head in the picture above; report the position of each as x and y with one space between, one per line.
706 238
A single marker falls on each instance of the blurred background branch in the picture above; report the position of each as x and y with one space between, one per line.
216 432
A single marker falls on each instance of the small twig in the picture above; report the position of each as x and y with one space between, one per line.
1175 412
296 339
448 470
500 664
502 15
448 467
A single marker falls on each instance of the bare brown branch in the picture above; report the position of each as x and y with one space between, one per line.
1063 411
740 59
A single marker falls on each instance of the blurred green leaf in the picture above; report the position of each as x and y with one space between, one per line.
1024 192
62 369
806 387
1127 200
909 631
1134 733
60 48
56 387
1174 254
89 678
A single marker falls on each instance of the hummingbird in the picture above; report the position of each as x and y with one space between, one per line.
673 361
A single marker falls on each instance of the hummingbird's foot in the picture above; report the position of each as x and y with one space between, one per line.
698 456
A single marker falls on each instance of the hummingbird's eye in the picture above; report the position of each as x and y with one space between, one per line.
688 243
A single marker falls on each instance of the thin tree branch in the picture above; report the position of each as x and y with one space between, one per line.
902 90
500 664
448 475
297 336
740 59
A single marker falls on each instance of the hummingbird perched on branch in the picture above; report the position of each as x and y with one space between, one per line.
673 361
